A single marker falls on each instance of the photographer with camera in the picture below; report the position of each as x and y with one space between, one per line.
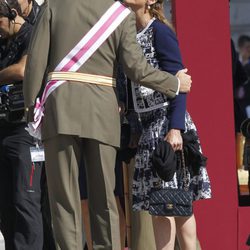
30 10
20 158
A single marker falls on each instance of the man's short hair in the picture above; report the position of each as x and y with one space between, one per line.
242 40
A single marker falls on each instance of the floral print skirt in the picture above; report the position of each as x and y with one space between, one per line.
154 129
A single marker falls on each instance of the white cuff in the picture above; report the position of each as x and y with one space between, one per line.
178 89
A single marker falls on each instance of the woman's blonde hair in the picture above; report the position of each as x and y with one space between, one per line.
156 10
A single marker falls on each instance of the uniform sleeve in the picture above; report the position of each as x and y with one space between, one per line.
169 57
136 67
38 53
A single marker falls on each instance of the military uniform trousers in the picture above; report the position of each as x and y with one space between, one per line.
20 190
63 154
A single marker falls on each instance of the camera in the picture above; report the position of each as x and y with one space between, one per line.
11 102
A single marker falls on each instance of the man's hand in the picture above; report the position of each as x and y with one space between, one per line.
121 108
185 80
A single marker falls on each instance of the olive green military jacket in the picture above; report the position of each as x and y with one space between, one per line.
82 109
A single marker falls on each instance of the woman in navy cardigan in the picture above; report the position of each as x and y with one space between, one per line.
162 119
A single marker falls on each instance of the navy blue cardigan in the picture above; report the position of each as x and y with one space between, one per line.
169 57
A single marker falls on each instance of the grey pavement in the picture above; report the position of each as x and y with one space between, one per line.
1 242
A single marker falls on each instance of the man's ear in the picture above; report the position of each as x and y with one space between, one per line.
13 14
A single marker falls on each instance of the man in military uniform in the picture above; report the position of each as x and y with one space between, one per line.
81 118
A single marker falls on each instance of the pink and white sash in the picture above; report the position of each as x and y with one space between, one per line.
78 56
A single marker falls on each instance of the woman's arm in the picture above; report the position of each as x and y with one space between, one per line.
169 56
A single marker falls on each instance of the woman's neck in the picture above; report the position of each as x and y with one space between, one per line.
142 19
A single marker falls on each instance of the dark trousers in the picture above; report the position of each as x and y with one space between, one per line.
20 191
48 238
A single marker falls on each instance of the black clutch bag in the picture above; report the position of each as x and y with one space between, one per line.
172 202
164 161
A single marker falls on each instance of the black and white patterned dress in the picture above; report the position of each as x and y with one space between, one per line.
154 117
